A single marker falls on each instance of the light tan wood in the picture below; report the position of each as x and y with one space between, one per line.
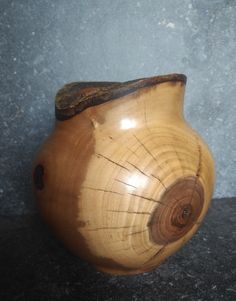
125 183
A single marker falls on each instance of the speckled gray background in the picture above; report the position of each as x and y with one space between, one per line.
45 44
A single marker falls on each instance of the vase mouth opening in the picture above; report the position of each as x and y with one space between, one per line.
75 97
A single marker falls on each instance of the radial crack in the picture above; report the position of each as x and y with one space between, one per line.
118 164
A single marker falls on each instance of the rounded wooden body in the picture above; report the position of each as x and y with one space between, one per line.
123 180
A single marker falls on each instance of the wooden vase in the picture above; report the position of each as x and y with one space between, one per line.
123 180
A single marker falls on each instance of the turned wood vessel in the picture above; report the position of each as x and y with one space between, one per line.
123 180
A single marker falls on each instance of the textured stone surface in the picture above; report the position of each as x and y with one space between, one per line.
34 266
45 44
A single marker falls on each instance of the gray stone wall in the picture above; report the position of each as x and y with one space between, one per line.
45 44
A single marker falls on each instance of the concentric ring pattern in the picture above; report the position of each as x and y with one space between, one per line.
130 182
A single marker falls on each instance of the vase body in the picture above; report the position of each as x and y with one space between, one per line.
126 182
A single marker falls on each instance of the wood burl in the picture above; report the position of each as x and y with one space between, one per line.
123 180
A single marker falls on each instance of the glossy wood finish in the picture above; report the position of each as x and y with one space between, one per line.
126 182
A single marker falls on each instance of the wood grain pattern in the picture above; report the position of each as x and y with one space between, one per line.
126 182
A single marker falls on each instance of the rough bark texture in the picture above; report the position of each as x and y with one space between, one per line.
75 97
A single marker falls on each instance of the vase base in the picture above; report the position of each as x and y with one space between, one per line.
120 272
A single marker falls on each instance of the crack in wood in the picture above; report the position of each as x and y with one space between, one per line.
100 155
146 149
199 161
198 168
125 183
112 228
145 251
157 253
138 232
126 249
103 190
159 180
145 113
138 169
148 199
132 152
130 212
149 152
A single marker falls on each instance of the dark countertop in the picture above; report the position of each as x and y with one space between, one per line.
34 266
